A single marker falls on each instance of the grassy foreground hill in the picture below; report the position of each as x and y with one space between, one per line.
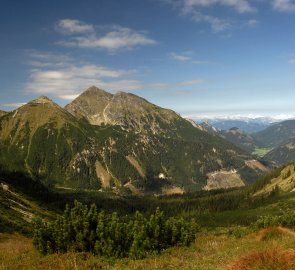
227 239
266 249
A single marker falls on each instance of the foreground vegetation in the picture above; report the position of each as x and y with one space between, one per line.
265 249
84 229
237 230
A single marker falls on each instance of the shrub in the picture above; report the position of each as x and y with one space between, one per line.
285 220
83 229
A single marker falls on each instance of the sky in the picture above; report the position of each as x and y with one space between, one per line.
201 58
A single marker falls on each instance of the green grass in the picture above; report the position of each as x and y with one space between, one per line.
261 152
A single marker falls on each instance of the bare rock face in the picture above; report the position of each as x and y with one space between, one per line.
124 109
91 105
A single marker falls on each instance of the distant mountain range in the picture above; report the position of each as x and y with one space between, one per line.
248 125
119 142
276 143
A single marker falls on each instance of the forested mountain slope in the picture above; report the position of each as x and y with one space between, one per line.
120 142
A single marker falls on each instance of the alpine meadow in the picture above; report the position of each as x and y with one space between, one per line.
147 135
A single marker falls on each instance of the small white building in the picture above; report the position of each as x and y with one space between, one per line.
162 176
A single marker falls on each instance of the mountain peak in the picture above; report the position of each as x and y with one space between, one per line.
123 108
42 100
93 90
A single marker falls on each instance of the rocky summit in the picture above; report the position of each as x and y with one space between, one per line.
124 109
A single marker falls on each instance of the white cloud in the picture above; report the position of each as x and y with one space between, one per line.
68 80
69 26
284 5
217 24
195 10
252 22
241 6
180 57
115 38
201 116
47 59
69 97
291 61
13 105
192 82
187 56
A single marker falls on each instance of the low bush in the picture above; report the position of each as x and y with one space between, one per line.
285 220
84 229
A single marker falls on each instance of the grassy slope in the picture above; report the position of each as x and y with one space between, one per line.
17 210
276 134
209 252
24 200
222 240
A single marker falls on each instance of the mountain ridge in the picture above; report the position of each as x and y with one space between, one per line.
125 109
142 148
276 134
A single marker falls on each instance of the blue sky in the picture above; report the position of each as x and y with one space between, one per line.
197 57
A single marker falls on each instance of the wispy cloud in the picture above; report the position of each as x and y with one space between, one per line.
195 10
69 26
192 82
241 6
284 5
291 61
187 57
13 105
47 59
180 57
111 38
217 24
252 23
68 80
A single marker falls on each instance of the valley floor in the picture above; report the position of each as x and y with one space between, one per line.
271 248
